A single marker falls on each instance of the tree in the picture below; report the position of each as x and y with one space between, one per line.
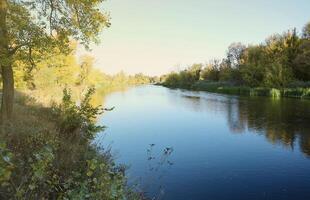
211 71
255 62
30 28
306 31
302 62
195 71
234 53
86 67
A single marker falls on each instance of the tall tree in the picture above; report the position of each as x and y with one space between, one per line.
32 27
306 31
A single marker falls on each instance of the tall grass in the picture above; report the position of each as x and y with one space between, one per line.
227 88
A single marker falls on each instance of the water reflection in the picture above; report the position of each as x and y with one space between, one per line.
282 121
224 146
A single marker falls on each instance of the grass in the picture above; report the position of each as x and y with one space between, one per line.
228 88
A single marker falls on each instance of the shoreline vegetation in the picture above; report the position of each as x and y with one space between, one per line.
46 153
226 88
46 150
50 100
277 67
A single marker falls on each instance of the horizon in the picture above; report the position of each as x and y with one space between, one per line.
155 38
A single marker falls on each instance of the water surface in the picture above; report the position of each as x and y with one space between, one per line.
183 145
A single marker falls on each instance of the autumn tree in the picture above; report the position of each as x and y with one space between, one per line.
85 68
28 29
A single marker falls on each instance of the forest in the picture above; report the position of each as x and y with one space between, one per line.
281 63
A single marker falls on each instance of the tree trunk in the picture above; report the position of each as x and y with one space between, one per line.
6 66
7 93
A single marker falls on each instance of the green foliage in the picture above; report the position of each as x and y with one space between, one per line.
211 72
306 31
38 26
47 154
172 79
6 165
73 118
234 54
279 62
184 78
228 88
277 76
33 28
275 93
58 71
301 62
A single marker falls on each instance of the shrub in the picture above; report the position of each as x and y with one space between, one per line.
46 154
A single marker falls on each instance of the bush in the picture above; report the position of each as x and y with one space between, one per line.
46 154
210 73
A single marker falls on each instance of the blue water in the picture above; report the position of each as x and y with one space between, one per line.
182 144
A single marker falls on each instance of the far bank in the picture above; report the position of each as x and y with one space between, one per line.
227 88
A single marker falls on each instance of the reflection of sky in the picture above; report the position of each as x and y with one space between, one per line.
207 158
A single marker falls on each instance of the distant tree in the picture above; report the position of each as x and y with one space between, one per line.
292 48
255 62
225 71
85 69
277 62
195 71
234 54
172 79
302 62
211 71
306 31
33 27
277 76
280 51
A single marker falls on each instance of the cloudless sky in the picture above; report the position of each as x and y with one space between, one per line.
157 36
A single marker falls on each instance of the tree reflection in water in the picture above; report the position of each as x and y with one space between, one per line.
282 121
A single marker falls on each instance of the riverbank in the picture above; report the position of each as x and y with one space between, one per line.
227 88
46 153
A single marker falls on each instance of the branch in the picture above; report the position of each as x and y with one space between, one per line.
77 15
51 15
13 50
32 63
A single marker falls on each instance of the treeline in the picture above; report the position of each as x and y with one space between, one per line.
55 71
282 60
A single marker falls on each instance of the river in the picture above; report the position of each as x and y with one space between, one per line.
183 145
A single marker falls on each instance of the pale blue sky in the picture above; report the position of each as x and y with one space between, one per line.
157 36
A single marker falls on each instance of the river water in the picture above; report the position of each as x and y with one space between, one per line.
183 145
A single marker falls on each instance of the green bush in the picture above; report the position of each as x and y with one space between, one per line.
46 153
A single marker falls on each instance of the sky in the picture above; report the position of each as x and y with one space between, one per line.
158 36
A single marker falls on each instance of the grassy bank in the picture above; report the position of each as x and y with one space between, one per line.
46 153
227 88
